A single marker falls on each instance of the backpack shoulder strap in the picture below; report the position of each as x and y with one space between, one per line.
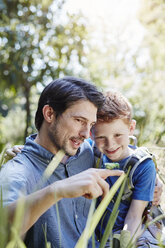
139 155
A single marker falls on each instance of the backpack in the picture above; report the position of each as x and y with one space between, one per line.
140 154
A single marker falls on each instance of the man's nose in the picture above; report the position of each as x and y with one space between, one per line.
85 132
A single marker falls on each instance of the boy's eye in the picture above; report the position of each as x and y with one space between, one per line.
101 137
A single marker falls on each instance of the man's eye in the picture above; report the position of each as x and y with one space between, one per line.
118 135
80 121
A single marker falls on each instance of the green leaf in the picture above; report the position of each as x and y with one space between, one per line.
100 210
113 215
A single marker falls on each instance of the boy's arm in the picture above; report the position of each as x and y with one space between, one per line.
133 218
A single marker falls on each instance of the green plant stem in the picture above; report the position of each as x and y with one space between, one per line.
100 210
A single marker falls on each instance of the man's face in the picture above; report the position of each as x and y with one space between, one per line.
112 138
69 130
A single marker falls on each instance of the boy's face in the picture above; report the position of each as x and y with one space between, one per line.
112 138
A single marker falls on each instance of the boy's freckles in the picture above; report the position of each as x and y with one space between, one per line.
112 139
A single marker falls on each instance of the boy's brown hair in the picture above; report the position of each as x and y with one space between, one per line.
116 106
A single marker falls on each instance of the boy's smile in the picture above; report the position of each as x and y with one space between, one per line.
112 138
112 151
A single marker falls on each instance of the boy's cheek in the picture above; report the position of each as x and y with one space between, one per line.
100 146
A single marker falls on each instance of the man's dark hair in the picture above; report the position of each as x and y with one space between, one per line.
62 93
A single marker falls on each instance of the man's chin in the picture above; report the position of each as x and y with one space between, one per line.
71 152
70 149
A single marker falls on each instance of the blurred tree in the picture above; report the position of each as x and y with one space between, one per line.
137 70
151 69
109 59
38 42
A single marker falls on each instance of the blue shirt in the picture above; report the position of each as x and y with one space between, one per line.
20 176
144 183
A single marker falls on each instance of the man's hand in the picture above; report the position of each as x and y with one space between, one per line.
12 152
89 183
158 192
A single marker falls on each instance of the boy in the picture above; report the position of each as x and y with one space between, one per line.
111 134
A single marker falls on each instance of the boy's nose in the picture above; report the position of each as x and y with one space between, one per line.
110 143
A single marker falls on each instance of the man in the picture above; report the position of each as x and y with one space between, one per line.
66 112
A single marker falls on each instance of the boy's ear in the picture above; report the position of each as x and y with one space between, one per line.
132 127
48 113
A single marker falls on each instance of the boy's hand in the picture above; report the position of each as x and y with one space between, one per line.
12 152
157 192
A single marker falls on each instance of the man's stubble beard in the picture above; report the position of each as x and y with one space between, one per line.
54 137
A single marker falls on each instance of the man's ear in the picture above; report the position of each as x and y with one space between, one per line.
48 113
132 127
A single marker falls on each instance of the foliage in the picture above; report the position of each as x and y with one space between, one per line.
113 216
10 123
93 217
99 212
15 238
150 98
10 237
38 42
137 71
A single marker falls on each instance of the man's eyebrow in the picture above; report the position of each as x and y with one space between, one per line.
83 118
